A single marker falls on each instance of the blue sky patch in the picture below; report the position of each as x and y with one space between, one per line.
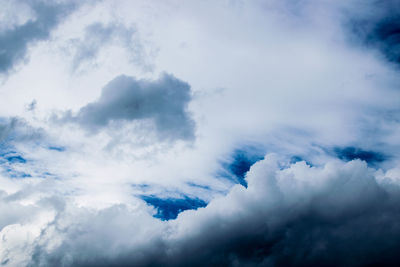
11 157
351 153
10 164
57 148
17 174
296 158
240 162
205 187
169 208
15 159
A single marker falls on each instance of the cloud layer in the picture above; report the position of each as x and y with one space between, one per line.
140 133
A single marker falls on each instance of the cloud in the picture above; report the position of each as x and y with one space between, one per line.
293 216
15 41
105 183
125 99
15 130
22 148
98 35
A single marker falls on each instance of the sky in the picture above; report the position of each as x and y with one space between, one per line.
199 133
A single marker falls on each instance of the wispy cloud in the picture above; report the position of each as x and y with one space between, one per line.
15 41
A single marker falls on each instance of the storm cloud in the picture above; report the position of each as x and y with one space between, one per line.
337 214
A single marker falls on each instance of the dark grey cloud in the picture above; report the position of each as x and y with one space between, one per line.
99 35
336 215
14 42
125 99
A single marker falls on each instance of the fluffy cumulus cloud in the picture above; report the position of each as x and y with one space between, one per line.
199 133
336 214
